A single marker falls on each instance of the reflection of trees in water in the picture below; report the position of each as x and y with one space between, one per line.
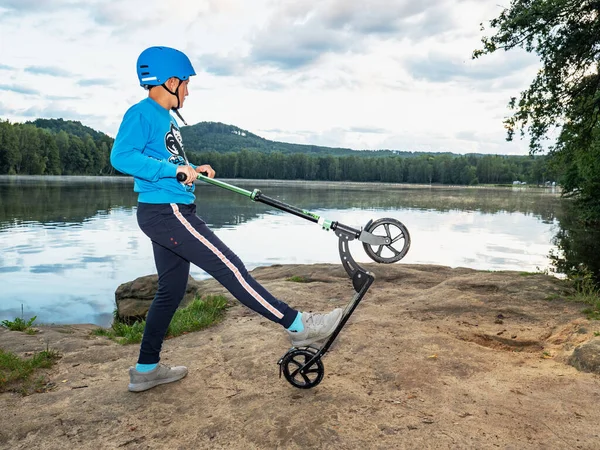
221 208
578 246
74 201
58 202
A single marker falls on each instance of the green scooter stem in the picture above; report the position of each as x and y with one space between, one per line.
258 196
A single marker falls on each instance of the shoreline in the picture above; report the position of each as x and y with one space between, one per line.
372 267
264 182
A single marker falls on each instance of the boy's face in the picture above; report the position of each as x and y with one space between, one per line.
183 90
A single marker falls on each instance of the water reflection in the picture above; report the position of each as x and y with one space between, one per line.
577 246
67 245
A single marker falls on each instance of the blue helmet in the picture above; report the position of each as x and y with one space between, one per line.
156 65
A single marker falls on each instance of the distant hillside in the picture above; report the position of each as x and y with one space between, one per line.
72 127
64 147
223 138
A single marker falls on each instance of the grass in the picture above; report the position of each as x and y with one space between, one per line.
16 373
586 291
298 279
20 325
528 274
199 314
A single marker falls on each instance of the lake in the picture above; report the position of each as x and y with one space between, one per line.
66 243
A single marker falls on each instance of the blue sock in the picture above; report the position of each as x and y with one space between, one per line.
145 367
297 324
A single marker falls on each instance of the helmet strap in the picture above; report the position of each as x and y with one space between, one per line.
176 94
176 111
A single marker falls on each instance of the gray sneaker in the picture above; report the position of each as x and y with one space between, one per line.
142 381
317 327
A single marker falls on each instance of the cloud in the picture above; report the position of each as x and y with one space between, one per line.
61 97
95 82
466 135
265 84
4 111
53 111
27 6
18 89
291 48
442 67
400 18
219 65
373 130
298 35
48 70
126 17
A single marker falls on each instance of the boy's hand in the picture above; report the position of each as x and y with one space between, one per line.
205 168
189 173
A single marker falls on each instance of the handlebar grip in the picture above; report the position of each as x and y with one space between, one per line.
181 177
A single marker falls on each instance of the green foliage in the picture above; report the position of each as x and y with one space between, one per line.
587 291
584 287
565 94
53 147
565 34
579 159
69 148
298 279
19 324
71 127
442 169
577 242
222 138
199 314
15 372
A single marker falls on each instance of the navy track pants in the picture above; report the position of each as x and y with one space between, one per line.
179 237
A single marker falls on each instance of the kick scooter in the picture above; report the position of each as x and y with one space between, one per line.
384 240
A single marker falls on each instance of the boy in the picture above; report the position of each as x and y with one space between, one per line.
148 146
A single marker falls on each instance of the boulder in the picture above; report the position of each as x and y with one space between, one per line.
133 298
586 357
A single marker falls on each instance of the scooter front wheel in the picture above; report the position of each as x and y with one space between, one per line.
399 241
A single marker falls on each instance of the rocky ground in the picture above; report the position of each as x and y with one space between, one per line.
433 358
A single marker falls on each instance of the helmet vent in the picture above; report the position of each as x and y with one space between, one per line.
145 73
145 66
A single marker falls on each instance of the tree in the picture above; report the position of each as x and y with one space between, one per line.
76 161
62 142
565 94
565 34
10 156
32 162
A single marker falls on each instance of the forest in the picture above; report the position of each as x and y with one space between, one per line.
62 147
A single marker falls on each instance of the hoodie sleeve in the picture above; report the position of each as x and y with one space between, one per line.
127 154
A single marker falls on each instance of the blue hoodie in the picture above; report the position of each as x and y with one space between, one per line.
148 146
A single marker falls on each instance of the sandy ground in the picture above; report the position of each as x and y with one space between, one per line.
433 358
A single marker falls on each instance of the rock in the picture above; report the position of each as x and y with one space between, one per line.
586 357
133 298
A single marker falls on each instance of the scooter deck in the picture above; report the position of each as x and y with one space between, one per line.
365 283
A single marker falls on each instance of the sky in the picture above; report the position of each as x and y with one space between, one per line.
369 74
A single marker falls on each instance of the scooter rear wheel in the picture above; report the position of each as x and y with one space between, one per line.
294 360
